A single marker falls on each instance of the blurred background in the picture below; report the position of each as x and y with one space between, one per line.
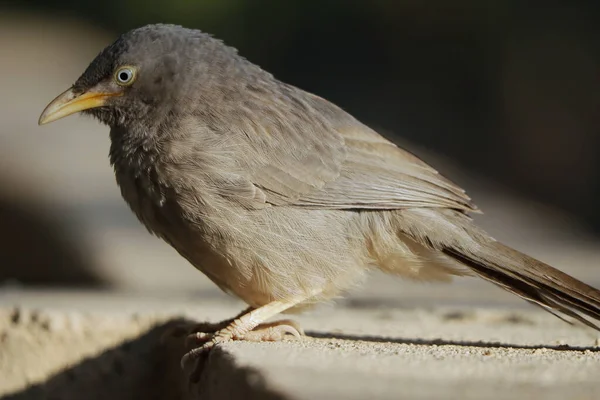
502 96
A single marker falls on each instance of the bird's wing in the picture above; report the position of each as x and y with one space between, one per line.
302 150
376 174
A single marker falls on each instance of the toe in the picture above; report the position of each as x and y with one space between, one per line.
274 332
293 324
195 354
198 338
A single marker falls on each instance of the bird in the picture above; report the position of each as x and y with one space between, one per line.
277 195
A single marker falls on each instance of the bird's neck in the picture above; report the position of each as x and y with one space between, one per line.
134 150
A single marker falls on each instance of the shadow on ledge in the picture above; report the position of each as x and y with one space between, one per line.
147 367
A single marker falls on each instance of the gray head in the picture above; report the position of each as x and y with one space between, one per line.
150 74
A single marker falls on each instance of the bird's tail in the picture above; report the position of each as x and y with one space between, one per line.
456 236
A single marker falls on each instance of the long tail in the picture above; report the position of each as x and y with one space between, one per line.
455 235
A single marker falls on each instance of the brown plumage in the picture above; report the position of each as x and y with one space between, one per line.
277 195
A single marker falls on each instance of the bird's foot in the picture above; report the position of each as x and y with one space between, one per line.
205 340
205 327
249 325
267 332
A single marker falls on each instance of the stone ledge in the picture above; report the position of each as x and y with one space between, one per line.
95 347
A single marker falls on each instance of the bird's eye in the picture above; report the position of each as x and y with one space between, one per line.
125 76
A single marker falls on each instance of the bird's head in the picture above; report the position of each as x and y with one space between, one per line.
146 75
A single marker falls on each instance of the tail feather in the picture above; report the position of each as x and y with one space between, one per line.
536 291
456 236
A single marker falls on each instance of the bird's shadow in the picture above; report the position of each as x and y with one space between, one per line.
148 367
443 342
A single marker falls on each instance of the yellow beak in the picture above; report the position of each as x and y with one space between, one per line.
68 103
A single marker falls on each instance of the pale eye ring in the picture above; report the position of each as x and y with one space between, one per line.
125 76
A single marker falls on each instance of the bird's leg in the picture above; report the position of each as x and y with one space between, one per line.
243 328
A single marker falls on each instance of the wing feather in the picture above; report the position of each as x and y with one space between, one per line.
301 150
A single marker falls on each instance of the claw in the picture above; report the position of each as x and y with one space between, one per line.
293 324
293 331
196 353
